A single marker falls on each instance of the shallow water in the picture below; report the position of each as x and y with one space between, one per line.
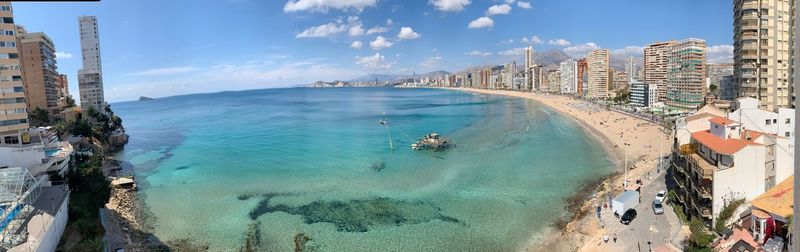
284 161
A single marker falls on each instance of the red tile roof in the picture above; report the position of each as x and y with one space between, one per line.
751 134
722 146
722 121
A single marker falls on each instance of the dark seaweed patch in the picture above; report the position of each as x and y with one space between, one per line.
358 215
244 196
182 168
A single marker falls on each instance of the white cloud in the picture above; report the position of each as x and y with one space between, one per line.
720 54
628 51
376 61
356 44
63 55
380 43
325 5
377 29
356 30
524 5
512 52
431 62
580 50
165 71
508 41
498 10
481 22
478 53
559 42
389 22
509 1
450 5
535 40
322 31
407 33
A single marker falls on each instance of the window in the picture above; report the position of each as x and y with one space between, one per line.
788 121
8 20
787 134
5 8
11 140
8 44
775 121
768 121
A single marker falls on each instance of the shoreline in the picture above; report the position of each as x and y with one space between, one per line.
582 229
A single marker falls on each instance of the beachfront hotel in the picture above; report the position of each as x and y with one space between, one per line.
90 77
599 74
761 51
656 56
717 160
686 74
643 94
37 54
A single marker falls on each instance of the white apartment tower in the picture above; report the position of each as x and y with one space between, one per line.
569 76
13 112
90 77
529 68
630 69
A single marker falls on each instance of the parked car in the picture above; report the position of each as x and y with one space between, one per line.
628 216
657 207
660 196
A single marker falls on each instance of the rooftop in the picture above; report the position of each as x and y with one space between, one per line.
778 200
723 121
723 146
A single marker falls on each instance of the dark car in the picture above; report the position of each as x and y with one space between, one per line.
628 216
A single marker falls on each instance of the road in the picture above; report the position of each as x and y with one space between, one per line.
647 226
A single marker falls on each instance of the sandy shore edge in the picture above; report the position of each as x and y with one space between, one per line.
582 229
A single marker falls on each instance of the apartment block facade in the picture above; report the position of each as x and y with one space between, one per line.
583 77
569 77
599 73
13 108
656 56
686 74
39 72
90 77
761 51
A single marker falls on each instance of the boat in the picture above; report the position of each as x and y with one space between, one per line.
432 141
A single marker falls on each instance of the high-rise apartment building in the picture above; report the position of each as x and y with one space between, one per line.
599 75
761 51
13 109
620 80
37 56
630 69
655 66
583 76
528 68
62 85
90 77
569 76
686 74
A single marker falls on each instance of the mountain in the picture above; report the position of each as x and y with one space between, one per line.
550 57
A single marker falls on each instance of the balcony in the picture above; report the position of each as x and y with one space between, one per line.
702 166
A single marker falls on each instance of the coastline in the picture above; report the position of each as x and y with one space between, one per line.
583 230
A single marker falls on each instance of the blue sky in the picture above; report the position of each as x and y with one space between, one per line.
162 48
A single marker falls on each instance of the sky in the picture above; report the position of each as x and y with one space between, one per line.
163 48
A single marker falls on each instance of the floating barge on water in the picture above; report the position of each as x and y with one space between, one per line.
432 141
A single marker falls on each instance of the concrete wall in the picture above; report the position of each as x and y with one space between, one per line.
27 157
55 230
744 180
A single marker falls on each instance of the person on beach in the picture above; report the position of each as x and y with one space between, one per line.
605 238
615 237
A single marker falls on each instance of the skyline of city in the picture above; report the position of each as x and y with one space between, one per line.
298 44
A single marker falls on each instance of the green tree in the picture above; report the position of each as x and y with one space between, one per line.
39 117
713 88
70 101
80 127
699 240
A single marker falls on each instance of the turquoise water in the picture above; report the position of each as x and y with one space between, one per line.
277 162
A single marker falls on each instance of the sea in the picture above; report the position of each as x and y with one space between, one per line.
271 167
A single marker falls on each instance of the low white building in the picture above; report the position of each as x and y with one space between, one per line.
39 151
643 95
722 160
752 117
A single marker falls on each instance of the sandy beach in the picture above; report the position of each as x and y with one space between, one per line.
614 129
